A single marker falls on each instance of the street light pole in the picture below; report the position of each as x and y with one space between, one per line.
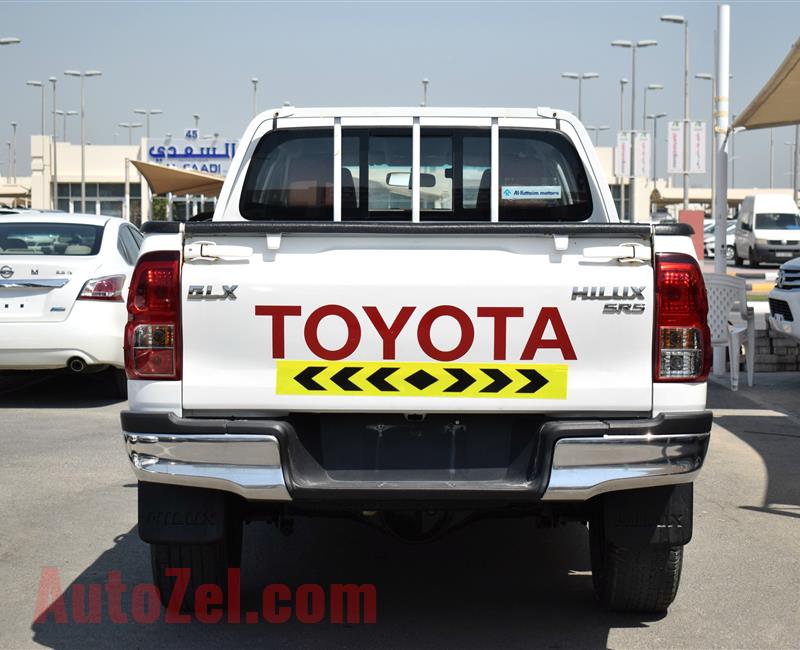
795 161
771 155
65 115
425 83
83 75
130 126
147 112
622 83
596 130
633 47
680 20
14 149
196 117
40 85
644 106
655 119
580 76
707 76
254 81
53 81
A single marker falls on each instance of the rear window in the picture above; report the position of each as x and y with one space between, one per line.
50 239
541 176
778 221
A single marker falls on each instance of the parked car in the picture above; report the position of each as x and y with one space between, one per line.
708 240
767 229
418 340
784 300
63 283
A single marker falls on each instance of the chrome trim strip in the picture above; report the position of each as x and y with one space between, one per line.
247 465
585 467
55 283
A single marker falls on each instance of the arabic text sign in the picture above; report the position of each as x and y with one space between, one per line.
697 148
641 160
622 164
213 158
675 147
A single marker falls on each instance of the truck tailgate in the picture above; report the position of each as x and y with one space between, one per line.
401 323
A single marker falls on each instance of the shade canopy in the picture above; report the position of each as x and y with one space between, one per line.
674 195
778 103
163 180
14 191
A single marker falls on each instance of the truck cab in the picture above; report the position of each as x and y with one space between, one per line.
419 317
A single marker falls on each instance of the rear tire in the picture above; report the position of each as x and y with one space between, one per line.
729 253
207 563
642 579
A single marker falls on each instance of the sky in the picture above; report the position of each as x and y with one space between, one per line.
199 57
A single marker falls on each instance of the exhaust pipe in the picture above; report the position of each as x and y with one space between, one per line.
76 364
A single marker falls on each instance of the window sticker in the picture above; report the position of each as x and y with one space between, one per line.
530 192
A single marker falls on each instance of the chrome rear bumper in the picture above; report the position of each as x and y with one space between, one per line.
249 464
585 467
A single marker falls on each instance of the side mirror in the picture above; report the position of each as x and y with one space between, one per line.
399 179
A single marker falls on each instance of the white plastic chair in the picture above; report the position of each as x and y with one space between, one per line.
731 321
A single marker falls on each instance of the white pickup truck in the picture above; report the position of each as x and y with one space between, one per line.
418 317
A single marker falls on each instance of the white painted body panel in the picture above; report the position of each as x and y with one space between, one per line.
228 361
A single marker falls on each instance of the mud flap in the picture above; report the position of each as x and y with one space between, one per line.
649 516
171 514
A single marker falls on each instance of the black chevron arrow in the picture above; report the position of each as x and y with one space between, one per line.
500 380
306 378
535 380
463 380
378 379
342 378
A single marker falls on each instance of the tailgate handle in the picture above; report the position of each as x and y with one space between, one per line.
623 253
209 250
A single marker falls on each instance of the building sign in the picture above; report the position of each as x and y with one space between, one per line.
622 164
213 158
675 147
641 158
697 148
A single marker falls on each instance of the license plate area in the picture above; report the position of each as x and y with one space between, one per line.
437 447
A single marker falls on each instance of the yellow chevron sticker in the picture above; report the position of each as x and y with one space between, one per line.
408 379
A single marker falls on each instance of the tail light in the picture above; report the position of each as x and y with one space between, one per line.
682 346
105 288
152 334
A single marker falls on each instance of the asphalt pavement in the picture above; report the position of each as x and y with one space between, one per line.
68 501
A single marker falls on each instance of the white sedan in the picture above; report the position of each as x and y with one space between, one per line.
63 284
708 240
